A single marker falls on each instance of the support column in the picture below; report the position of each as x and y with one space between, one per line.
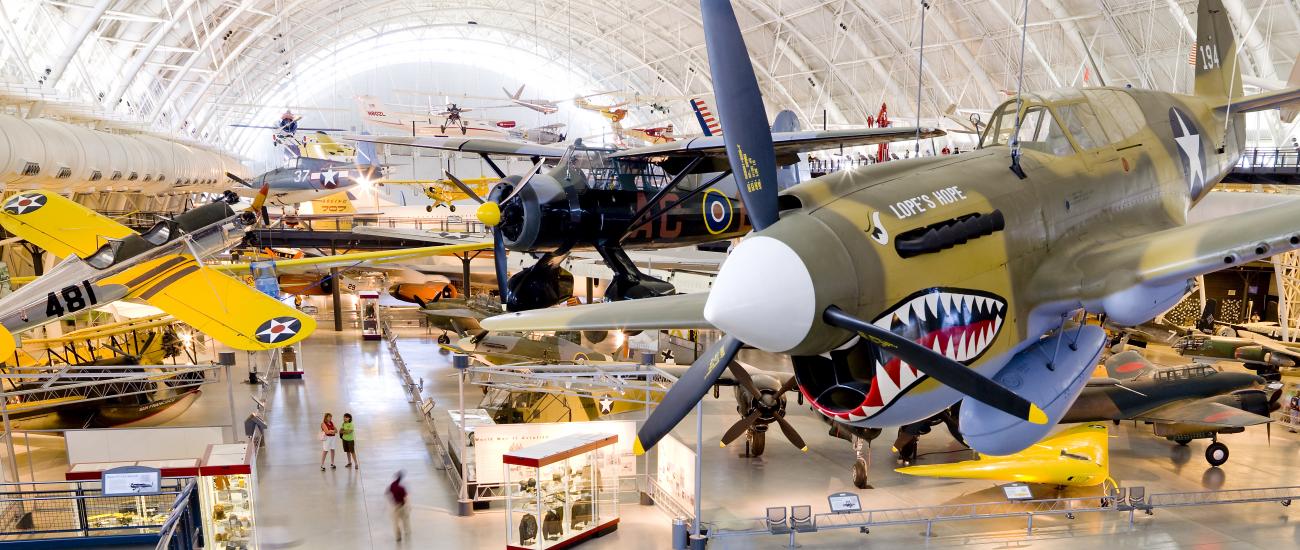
464 279
590 289
336 283
1286 269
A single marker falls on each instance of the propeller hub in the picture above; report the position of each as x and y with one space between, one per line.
489 213
772 289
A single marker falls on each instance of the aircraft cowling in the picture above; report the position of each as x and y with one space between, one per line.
1253 401
539 218
422 293
1257 354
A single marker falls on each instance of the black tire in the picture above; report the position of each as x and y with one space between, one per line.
757 442
860 473
1216 454
451 207
444 339
1182 442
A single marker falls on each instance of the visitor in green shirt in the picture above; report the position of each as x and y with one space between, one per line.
348 434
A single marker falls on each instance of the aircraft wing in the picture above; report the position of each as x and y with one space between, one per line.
1263 102
1203 412
481 146
360 258
447 238
1097 270
726 379
785 143
58 225
664 312
228 310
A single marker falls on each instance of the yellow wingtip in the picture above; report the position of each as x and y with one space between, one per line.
722 445
804 449
489 213
637 449
1036 415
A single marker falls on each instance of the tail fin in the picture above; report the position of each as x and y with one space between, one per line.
785 121
517 94
709 123
366 155
1218 74
1127 365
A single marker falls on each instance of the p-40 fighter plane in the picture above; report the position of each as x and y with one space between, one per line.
910 285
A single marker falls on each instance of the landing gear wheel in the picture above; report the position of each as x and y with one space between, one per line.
451 207
1182 442
428 208
1216 454
860 473
757 442
444 339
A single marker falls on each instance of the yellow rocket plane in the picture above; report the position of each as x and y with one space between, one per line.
1077 457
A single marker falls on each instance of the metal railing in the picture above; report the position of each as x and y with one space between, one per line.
62 509
1271 161
182 530
1125 501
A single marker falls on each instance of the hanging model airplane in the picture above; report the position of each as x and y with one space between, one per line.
908 286
450 122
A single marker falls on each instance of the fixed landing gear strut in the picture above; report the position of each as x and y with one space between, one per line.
861 463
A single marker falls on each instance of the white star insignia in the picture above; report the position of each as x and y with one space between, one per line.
277 330
329 178
1190 143
606 404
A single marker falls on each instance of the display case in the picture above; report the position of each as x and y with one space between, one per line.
369 313
226 497
561 492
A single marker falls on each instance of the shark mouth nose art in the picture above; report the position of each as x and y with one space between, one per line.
961 324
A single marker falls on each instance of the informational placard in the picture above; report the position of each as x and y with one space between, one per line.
675 471
132 480
1017 491
493 441
843 503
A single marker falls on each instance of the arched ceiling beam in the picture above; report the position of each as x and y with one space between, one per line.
74 43
178 77
905 48
138 60
1029 42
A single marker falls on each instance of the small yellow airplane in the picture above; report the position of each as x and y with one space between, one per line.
105 261
444 192
1077 457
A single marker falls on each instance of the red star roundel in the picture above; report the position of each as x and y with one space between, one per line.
278 329
24 203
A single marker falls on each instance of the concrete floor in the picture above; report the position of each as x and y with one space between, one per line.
301 507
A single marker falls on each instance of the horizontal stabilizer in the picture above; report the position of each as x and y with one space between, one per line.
1289 97
665 312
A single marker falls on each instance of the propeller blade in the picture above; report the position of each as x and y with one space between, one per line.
499 259
688 391
464 188
739 428
523 182
238 179
743 378
740 110
948 372
790 384
790 434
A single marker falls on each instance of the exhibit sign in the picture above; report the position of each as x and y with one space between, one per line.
131 480
844 503
675 472
1017 491
491 442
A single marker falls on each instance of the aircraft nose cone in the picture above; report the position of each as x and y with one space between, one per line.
763 295
489 213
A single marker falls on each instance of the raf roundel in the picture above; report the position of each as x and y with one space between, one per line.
278 330
25 203
718 211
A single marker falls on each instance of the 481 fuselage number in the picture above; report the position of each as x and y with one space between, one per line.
70 299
